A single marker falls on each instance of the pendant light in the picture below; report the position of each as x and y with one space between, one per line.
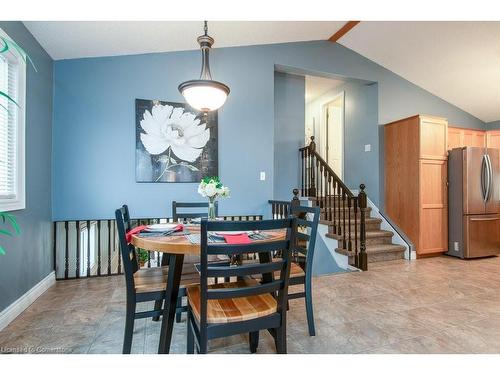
204 94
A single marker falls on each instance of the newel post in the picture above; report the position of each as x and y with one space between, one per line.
295 200
363 257
312 166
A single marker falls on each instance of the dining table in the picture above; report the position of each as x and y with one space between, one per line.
175 246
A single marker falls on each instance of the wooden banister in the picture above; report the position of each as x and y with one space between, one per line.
340 207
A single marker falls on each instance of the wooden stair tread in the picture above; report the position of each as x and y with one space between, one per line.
232 309
155 279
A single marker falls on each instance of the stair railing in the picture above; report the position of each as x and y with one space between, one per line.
344 211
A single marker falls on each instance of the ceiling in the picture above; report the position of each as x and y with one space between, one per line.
457 61
76 39
317 86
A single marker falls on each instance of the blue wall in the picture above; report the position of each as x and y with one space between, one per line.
360 128
289 117
93 135
29 257
493 125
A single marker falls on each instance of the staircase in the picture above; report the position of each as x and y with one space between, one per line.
359 236
378 245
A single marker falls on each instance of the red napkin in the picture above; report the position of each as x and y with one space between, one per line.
179 228
237 239
136 230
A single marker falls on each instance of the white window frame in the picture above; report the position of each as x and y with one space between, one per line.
19 201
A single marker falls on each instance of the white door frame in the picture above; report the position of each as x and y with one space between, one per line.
322 129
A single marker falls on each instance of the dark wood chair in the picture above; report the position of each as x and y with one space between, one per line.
245 305
187 210
142 284
301 266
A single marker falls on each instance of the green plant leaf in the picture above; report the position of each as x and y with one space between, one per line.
4 107
5 47
22 52
8 98
5 232
2 251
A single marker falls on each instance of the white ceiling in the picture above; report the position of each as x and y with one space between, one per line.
76 39
457 61
317 86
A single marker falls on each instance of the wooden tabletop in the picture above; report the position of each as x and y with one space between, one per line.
175 244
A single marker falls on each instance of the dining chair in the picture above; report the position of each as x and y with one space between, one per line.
186 209
245 305
303 253
142 284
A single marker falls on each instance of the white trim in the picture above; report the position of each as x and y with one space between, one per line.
385 225
19 203
12 311
322 128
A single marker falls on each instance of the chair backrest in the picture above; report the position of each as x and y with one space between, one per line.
307 229
128 253
189 212
263 248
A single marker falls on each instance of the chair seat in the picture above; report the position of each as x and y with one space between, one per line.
155 279
295 271
231 310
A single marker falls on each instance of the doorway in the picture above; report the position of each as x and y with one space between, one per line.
333 130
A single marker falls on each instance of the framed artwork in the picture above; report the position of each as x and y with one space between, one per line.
174 142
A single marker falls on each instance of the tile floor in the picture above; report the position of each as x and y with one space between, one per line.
436 305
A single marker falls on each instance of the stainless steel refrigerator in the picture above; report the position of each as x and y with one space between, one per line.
473 202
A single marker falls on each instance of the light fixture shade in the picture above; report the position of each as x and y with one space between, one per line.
204 95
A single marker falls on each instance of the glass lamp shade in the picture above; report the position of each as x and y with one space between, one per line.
204 95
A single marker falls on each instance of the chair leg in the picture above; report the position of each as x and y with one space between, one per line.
158 306
280 340
309 308
253 340
178 314
129 328
203 344
190 335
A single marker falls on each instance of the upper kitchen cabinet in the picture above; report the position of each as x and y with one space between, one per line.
433 137
461 137
493 138
415 180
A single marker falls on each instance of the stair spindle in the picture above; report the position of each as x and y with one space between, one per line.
363 257
349 205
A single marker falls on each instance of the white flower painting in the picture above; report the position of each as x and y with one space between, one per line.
174 143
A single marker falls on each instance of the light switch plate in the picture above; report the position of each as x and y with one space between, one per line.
368 148
262 176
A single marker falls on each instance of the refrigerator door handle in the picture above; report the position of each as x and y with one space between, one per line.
490 177
483 218
483 177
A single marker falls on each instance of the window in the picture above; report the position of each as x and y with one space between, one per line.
12 83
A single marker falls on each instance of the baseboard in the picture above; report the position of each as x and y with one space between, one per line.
22 303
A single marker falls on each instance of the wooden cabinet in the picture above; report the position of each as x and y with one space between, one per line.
493 139
416 194
461 137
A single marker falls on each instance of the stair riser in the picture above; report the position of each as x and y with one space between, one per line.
385 257
377 257
369 241
369 227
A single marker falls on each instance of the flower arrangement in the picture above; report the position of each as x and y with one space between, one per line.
212 188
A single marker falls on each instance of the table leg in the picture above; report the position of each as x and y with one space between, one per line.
173 282
265 257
